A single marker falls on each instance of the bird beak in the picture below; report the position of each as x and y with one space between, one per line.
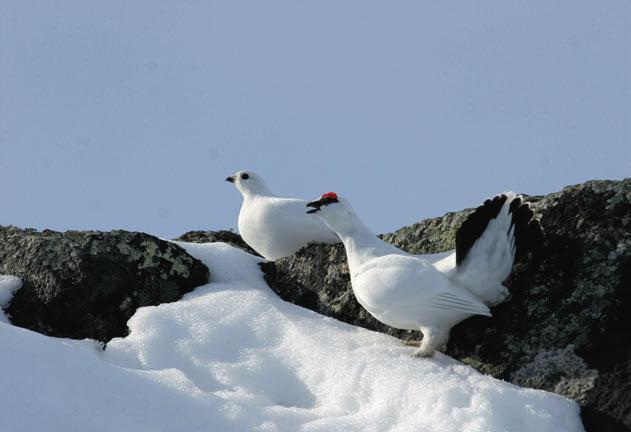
315 206
230 179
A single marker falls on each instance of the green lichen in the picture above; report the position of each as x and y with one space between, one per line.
133 254
152 257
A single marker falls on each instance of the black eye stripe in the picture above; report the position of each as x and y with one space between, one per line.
245 176
329 200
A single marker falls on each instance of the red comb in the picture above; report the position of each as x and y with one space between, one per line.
332 195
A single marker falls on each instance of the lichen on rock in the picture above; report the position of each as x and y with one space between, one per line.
87 284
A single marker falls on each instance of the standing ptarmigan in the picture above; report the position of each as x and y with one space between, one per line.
432 293
275 226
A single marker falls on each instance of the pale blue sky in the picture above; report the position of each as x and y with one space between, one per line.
130 115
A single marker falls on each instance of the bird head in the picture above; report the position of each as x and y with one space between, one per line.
334 211
325 200
248 183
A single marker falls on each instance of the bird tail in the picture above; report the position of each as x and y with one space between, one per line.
488 242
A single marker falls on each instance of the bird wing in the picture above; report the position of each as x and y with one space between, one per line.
409 282
445 262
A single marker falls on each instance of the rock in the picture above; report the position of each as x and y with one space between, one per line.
566 327
87 284
224 236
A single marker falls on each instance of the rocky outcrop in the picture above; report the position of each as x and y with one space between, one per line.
566 327
88 284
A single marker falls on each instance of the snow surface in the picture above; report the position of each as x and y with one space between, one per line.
8 286
232 356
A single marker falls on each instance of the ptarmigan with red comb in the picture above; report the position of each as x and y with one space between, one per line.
275 226
432 293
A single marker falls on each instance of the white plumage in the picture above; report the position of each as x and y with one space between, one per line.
275 226
431 293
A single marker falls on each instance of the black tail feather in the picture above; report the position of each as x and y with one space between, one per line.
528 233
475 224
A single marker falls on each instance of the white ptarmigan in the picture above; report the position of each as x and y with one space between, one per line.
275 226
432 293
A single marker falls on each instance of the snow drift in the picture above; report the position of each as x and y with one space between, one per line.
232 356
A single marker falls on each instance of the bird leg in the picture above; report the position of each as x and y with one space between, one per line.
433 339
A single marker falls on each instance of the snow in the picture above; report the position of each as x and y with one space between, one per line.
8 286
232 356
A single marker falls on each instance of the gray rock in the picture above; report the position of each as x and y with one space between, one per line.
566 328
88 284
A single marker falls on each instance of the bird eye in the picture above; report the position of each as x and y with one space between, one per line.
245 176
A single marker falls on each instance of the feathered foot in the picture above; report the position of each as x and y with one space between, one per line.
433 339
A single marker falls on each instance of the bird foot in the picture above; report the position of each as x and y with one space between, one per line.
423 352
